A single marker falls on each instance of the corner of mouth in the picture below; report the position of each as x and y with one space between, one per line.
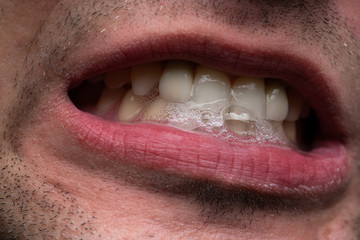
265 168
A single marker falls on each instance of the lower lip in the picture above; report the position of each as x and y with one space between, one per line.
260 167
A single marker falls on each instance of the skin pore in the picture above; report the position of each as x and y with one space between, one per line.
45 193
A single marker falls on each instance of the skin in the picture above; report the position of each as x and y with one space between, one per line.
45 194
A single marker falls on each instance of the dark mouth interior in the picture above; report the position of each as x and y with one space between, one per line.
309 130
86 95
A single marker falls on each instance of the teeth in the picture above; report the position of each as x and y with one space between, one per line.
202 98
130 107
249 94
239 113
290 130
144 77
117 79
295 105
210 86
176 82
277 127
242 128
277 103
156 110
108 98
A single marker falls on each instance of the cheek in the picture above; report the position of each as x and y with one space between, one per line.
350 11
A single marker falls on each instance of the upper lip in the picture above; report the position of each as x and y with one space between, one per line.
241 58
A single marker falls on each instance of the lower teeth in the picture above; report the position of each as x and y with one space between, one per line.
213 122
210 120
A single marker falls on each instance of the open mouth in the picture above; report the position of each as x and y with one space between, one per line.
263 126
200 99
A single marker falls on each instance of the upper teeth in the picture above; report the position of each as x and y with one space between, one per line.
176 81
295 105
249 95
210 86
144 77
241 100
277 105
117 79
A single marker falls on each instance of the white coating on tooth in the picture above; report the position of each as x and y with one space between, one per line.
157 110
144 77
210 86
130 107
249 94
117 79
277 104
108 98
176 81
242 128
239 113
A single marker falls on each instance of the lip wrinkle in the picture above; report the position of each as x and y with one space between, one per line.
264 168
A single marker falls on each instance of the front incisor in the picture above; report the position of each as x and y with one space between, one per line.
249 93
210 86
176 81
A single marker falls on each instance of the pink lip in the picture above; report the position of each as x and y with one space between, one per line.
265 168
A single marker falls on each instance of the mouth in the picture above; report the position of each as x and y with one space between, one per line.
205 108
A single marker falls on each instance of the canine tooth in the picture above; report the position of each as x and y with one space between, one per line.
156 110
176 81
130 107
277 103
290 130
210 86
117 79
249 93
295 105
108 98
144 77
